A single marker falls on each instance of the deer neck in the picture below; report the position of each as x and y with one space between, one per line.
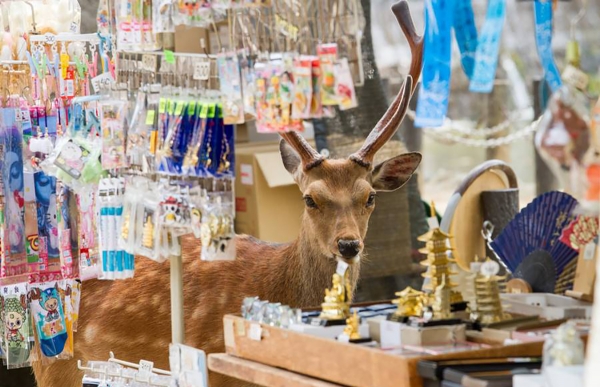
308 272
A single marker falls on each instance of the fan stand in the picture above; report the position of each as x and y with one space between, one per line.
585 276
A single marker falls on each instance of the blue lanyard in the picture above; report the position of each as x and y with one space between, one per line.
435 89
465 32
486 58
543 39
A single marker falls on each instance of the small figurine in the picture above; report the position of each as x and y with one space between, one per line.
335 305
487 294
410 304
564 347
352 327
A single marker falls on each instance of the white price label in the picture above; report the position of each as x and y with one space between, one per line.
201 71
50 38
490 268
344 338
341 268
146 367
255 332
589 251
149 62
575 77
102 82
18 116
25 115
390 333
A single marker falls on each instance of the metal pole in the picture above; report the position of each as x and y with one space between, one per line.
544 179
177 322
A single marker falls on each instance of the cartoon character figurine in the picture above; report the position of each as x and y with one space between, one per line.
49 301
172 210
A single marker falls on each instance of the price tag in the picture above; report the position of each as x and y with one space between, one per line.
344 338
589 251
150 117
390 333
341 268
50 38
149 62
201 71
102 82
575 77
146 367
18 116
255 332
169 57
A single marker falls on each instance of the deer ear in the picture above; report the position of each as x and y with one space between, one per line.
395 172
291 159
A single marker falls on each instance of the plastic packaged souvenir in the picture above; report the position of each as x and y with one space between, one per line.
344 85
113 115
231 88
49 319
303 89
15 319
328 56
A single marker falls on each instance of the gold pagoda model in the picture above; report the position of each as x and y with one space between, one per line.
442 309
487 298
410 303
437 261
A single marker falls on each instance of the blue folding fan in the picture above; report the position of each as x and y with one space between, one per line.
530 244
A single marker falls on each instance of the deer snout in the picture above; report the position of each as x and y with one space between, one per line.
349 248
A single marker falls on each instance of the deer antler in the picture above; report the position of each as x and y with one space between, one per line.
388 124
310 157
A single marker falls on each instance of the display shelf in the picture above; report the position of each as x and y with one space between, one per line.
345 364
263 375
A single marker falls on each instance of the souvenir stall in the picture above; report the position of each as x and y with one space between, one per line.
121 163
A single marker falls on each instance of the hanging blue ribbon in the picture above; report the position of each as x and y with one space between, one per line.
486 58
465 32
435 89
543 39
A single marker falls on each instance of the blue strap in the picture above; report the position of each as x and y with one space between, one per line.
465 32
543 39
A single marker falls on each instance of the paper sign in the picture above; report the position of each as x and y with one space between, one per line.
341 268
50 38
145 367
149 62
246 174
344 338
589 251
255 332
103 81
201 71
433 223
490 268
390 334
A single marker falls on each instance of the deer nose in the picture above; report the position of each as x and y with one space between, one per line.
349 248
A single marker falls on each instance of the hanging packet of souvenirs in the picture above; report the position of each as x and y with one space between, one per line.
16 320
31 225
15 255
162 16
316 107
88 252
195 13
303 89
328 56
113 115
231 88
49 319
248 83
344 85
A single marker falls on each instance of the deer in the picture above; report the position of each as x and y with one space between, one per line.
132 317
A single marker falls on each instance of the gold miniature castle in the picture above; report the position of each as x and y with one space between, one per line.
410 303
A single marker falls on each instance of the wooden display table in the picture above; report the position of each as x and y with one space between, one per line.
257 373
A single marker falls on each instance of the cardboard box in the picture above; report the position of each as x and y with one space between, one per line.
269 204
546 305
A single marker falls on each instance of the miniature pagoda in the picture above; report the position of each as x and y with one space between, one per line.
488 307
410 304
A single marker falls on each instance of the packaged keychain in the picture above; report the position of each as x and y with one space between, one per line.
113 123
49 318
88 253
303 89
328 56
16 322
344 85
231 88
47 220
31 225
147 222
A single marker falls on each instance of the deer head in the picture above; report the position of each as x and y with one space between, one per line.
340 194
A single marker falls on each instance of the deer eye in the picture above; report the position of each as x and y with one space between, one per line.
371 200
310 202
